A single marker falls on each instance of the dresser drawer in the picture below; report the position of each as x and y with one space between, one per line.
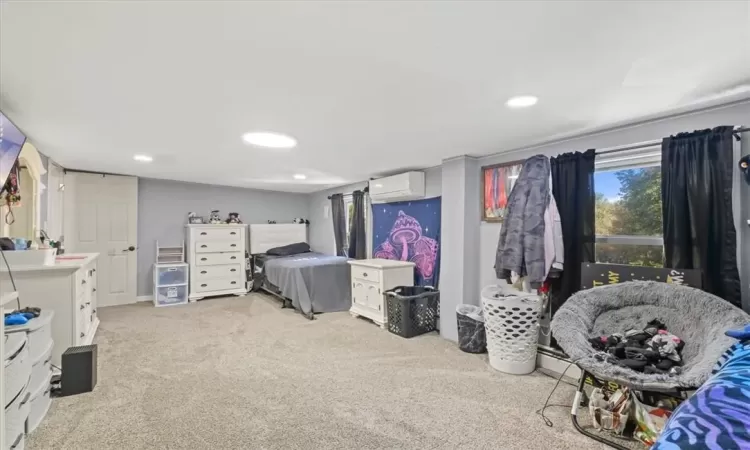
218 246
218 284
218 234
212 259
15 418
365 273
225 271
17 367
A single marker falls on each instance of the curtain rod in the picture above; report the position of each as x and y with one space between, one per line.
653 143
366 190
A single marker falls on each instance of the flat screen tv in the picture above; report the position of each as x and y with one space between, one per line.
11 141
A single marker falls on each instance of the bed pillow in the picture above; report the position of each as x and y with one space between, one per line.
289 250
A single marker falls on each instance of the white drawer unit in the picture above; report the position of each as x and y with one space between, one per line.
67 295
370 279
216 255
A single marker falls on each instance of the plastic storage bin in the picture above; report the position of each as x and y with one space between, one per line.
412 310
170 274
511 320
171 295
471 335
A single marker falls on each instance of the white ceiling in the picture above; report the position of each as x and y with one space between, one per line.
365 87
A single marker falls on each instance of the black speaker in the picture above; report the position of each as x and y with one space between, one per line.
78 370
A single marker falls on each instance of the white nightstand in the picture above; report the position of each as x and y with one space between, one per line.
370 279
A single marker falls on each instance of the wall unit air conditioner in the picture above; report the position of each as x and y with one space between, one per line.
397 188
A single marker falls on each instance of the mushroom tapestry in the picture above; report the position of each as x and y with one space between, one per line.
409 231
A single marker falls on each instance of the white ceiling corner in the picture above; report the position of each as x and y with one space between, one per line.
365 87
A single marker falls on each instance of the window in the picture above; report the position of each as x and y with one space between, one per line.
628 209
349 208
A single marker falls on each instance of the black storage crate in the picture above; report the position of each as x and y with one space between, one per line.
412 310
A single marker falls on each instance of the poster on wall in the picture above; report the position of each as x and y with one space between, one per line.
409 231
497 183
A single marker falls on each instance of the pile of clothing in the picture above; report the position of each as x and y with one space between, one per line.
650 350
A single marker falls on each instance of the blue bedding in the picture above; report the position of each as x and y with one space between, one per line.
717 416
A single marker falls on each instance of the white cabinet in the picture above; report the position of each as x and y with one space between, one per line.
370 279
69 289
216 254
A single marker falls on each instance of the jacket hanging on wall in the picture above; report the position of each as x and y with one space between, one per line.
521 246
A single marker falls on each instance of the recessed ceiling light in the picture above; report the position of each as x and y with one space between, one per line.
143 158
299 176
521 101
270 140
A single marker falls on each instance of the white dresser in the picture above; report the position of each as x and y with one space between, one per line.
370 279
69 289
216 254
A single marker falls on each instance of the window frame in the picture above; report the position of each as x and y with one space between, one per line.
624 160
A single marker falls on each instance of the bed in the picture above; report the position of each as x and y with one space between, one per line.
310 282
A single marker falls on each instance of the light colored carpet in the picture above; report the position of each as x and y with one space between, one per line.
239 372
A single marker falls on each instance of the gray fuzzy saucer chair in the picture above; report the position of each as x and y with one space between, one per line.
699 318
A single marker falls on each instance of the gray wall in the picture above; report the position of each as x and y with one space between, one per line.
163 206
737 114
459 277
320 232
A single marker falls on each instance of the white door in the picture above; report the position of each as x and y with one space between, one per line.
101 216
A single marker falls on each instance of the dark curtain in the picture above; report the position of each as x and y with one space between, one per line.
696 192
573 188
338 212
358 233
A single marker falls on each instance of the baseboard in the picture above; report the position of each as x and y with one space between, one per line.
145 298
556 366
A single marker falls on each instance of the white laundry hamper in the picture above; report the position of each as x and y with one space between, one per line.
511 319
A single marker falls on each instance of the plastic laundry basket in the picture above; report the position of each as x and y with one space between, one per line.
511 320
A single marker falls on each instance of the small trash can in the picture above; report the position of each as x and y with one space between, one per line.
471 335
412 310
512 326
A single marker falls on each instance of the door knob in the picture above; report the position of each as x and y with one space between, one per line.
130 249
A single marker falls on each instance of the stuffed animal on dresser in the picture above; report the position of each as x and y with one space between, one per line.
234 218
214 217
300 220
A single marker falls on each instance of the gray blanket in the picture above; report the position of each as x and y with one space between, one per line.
312 281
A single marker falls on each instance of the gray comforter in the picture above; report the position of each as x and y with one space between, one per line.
312 281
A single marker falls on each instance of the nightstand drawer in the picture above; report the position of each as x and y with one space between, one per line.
365 273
